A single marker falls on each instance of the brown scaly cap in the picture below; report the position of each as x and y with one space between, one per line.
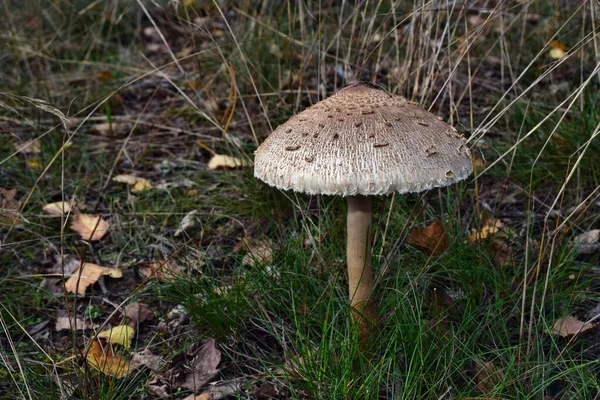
363 141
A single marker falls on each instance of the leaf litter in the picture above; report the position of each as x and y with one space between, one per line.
59 208
88 274
431 239
203 367
90 227
571 326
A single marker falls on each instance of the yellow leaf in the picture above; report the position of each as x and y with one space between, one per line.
557 53
103 358
137 184
90 227
35 164
491 226
141 186
220 161
126 178
121 334
58 208
87 275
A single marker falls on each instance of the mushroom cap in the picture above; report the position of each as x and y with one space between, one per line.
363 141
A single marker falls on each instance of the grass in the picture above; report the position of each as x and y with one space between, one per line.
117 88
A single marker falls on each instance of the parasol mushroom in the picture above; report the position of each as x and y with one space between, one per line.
358 143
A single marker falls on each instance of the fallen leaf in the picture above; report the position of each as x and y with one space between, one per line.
502 252
588 242
163 270
90 227
487 375
141 186
87 275
59 208
557 54
478 165
35 164
267 390
121 334
220 161
219 392
431 239
571 326
8 199
490 227
258 252
106 128
65 323
187 222
30 147
102 358
138 312
137 184
557 50
9 207
145 358
555 44
104 76
126 178
159 391
204 366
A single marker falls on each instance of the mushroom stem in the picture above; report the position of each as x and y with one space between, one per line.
360 274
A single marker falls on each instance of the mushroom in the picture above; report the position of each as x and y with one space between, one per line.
358 143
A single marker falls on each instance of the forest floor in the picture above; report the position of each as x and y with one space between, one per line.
137 262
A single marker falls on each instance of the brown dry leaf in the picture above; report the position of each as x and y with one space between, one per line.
588 242
105 128
8 201
220 161
31 147
88 275
121 334
219 392
431 239
104 76
204 366
478 165
102 358
571 326
503 252
487 375
90 227
138 312
9 207
65 323
490 227
145 358
162 270
59 208
258 252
